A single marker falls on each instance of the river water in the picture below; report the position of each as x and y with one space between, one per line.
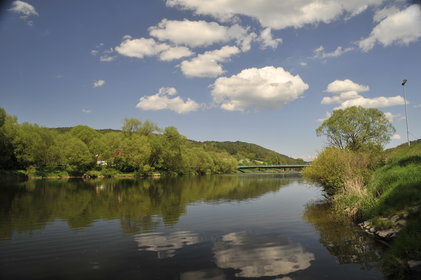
267 226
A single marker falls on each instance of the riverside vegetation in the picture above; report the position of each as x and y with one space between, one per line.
379 189
138 149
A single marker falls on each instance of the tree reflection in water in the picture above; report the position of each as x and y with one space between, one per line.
140 205
341 237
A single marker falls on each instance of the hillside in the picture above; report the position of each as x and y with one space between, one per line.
63 130
404 150
247 153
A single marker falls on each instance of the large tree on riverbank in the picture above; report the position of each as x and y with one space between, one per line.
357 128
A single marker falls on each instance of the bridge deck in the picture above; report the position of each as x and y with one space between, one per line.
272 166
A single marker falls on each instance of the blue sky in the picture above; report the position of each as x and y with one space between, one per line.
266 72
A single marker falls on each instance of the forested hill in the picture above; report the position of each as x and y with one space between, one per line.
63 130
247 153
244 153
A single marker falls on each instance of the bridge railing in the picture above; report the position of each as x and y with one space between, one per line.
272 166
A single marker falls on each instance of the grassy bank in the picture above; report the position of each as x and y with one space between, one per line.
382 189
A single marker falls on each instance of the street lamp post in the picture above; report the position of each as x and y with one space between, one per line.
406 114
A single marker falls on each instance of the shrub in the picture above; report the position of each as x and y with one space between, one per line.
342 170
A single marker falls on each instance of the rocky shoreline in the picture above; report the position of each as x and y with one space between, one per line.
386 229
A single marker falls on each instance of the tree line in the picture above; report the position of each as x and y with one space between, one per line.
140 147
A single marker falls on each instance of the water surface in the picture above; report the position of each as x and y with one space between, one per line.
268 226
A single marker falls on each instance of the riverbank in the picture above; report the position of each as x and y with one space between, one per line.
93 174
100 174
382 193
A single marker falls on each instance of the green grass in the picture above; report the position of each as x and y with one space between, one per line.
393 187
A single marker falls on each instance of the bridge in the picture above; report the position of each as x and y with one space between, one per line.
273 166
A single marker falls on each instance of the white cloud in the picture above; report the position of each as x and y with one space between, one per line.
391 117
189 33
395 137
201 33
175 53
208 63
24 9
267 40
106 58
303 64
347 94
140 48
242 36
277 14
86 111
401 28
340 86
320 52
165 99
98 83
378 102
105 55
384 13
267 87
342 97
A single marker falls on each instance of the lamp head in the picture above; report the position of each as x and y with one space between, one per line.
404 82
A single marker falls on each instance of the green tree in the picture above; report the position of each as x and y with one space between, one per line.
113 152
85 133
148 128
357 128
8 130
131 125
136 153
157 148
174 147
34 145
91 138
2 117
199 160
76 155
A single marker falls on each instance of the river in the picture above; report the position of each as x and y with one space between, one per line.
250 226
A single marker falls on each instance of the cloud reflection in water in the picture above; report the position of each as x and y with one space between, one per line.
165 245
259 256
210 274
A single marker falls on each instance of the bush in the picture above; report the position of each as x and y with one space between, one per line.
93 174
109 172
341 169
